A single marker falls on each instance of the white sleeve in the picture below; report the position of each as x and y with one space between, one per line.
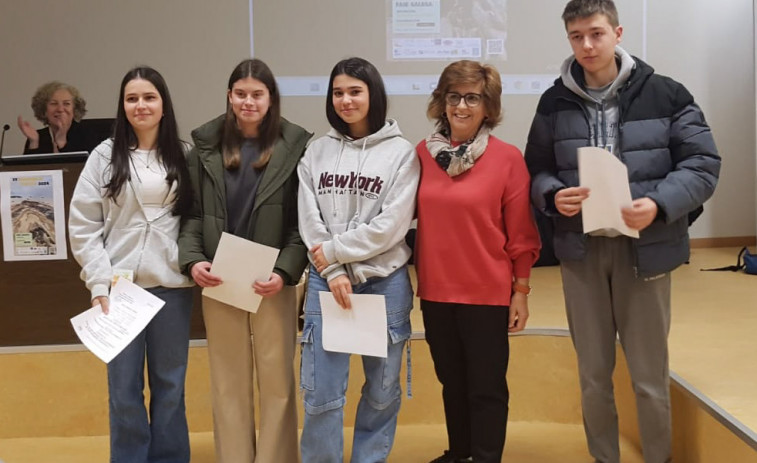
86 223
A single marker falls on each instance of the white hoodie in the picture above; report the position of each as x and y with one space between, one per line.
357 198
107 235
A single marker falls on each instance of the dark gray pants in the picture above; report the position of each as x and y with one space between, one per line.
604 298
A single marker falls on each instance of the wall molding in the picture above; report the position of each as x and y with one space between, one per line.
723 242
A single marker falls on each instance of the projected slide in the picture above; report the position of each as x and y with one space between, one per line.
410 41
464 29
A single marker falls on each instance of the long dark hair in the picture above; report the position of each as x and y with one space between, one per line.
170 149
377 103
270 126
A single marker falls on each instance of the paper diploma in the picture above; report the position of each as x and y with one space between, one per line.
240 263
360 330
607 178
131 309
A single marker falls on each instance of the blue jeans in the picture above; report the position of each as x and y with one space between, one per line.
324 377
164 437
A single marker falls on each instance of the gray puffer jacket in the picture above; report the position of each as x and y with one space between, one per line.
664 141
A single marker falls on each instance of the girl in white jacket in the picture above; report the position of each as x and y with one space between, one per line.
124 220
356 202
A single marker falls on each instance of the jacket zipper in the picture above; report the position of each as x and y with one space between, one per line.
620 91
142 250
621 156
627 85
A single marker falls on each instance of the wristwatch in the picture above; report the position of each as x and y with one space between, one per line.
521 288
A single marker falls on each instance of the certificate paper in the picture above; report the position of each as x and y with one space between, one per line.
131 309
607 178
240 263
32 215
360 330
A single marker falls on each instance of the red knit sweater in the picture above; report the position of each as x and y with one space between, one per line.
475 230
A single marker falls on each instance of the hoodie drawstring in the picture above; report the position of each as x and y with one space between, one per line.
361 162
336 166
361 158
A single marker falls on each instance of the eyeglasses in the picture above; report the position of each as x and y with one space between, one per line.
471 99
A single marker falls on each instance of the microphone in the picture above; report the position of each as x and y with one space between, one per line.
2 139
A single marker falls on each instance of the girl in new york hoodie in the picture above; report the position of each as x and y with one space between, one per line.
356 201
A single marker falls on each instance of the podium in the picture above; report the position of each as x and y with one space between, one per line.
38 298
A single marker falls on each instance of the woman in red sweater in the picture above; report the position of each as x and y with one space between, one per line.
475 246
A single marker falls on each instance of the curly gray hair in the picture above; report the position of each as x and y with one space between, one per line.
45 92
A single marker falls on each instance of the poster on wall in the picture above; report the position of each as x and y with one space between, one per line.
32 215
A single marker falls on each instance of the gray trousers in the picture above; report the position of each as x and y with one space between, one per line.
605 298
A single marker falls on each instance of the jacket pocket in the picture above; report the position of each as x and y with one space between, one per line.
659 231
124 246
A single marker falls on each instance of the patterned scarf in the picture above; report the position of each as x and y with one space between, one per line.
457 159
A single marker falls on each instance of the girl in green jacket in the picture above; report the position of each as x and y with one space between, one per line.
243 171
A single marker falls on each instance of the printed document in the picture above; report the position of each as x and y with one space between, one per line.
131 309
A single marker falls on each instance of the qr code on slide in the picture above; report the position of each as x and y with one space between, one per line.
495 46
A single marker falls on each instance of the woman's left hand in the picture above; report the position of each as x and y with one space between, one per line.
518 312
270 287
319 259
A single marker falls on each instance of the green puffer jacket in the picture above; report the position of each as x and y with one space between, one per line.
274 217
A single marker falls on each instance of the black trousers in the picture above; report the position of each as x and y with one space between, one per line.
470 349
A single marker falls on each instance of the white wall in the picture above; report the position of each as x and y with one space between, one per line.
709 46
91 44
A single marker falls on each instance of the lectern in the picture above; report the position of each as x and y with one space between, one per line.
38 298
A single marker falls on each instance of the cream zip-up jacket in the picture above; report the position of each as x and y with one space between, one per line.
107 234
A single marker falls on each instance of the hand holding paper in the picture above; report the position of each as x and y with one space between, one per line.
341 288
103 302
641 213
269 287
131 309
202 276
361 330
568 201
239 263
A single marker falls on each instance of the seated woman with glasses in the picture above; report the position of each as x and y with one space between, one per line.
475 245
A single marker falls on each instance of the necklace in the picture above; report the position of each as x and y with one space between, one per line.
146 160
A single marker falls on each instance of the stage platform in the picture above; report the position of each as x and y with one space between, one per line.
53 399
